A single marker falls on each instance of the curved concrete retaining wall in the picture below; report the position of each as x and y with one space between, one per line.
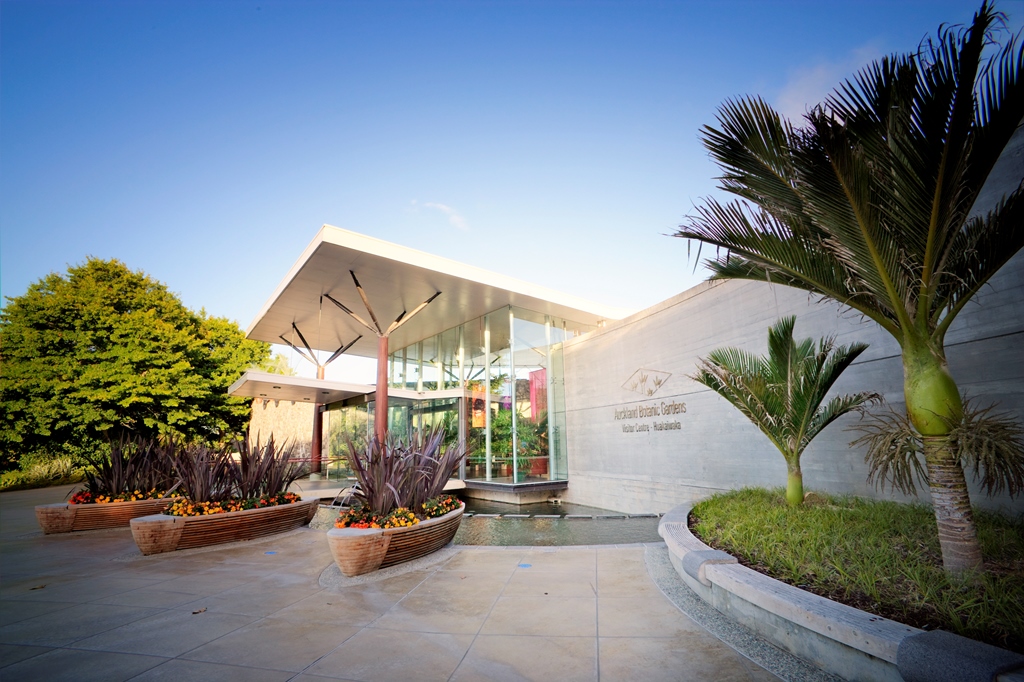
837 638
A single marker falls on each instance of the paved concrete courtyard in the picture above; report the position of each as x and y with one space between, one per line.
89 606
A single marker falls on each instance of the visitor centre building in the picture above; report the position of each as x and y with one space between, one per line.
558 397
475 353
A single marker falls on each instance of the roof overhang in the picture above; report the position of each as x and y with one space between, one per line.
396 279
254 384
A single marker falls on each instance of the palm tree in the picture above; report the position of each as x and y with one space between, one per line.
870 204
783 392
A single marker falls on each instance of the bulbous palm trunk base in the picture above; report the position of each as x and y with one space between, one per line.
795 488
957 535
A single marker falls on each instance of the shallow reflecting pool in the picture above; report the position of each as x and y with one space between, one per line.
549 524
541 524
475 506
491 530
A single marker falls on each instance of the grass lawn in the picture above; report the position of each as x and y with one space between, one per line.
881 557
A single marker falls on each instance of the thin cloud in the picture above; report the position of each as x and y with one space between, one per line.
454 217
810 85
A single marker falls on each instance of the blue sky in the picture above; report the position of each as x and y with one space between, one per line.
206 142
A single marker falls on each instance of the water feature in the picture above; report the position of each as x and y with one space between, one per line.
476 506
550 524
539 524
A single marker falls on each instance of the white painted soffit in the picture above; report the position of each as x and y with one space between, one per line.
395 278
254 384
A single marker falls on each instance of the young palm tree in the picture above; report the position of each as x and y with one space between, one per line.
869 204
783 392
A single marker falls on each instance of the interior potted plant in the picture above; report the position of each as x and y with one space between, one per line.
501 443
227 496
399 511
132 480
533 446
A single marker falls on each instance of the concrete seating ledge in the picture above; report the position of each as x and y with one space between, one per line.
839 639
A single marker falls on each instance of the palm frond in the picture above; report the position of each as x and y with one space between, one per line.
980 249
761 248
999 110
992 446
868 203
894 451
782 392
752 148
836 408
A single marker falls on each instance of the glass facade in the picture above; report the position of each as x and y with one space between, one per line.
507 365
499 388
354 423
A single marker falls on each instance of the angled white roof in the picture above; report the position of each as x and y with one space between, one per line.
395 278
255 384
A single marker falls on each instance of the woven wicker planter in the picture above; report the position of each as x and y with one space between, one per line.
65 518
362 550
165 533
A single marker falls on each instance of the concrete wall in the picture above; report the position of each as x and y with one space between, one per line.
615 463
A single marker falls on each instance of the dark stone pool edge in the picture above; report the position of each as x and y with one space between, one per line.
773 659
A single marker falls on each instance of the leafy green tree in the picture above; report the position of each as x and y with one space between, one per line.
783 392
103 351
870 204
277 364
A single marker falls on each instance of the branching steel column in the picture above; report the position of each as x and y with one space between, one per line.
316 445
380 420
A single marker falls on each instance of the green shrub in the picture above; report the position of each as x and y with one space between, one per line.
42 473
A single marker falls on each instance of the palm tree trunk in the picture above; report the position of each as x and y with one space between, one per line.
958 538
794 486
933 403
933 399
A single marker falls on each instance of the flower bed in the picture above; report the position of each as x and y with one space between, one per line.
65 517
359 549
166 533
87 497
185 507
359 517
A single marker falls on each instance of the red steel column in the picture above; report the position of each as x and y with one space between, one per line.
316 447
380 419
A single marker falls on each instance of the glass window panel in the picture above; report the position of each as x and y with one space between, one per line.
449 354
345 424
428 366
500 399
535 394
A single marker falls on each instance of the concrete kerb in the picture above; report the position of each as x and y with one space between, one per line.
842 640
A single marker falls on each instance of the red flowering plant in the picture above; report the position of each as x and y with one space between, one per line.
220 480
359 517
401 483
185 507
132 470
86 497
440 505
